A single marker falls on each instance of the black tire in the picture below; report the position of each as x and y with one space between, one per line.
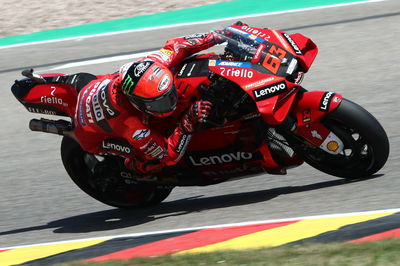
366 144
111 190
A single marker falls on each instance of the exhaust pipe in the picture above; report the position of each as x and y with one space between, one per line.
59 127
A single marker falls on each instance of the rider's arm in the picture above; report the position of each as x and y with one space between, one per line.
153 149
177 49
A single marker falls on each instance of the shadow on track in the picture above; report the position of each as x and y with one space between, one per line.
120 218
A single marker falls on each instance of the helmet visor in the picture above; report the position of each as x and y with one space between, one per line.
162 104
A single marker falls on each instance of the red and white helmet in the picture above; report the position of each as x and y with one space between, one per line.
149 87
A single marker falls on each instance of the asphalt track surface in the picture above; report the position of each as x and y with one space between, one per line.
359 57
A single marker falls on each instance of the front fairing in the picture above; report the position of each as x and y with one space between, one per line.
268 65
251 43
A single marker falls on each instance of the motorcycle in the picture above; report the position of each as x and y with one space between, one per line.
262 121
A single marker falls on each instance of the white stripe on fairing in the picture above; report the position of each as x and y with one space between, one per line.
213 226
190 23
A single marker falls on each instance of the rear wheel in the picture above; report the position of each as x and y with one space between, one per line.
100 177
366 145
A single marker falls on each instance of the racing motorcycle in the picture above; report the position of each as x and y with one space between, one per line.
262 121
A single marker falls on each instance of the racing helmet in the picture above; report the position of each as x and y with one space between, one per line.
149 87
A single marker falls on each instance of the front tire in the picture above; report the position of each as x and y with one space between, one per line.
366 145
108 188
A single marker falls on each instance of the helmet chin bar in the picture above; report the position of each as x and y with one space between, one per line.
144 110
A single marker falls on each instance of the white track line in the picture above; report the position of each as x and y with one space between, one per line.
212 226
191 23
103 60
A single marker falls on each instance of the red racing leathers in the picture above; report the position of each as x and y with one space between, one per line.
106 122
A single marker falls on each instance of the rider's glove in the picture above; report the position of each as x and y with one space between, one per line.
196 114
218 36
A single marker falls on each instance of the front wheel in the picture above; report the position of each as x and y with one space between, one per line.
366 145
100 178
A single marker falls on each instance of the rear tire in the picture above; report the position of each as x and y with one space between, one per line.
366 144
110 189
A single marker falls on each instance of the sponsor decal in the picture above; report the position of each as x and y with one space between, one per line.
142 67
316 135
81 112
182 143
195 36
166 52
141 134
99 105
164 83
306 115
229 63
212 63
256 32
88 102
269 91
157 72
94 109
114 145
197 68
237 72
258 53
259 83
97 110
105 101
127 85
190 71
293 44
325 101
337 99
231 157
40 111
134 74
332 146
154 150
292 66
182 70
51 100
251 116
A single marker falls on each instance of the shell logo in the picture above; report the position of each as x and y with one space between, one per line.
212 63
332 146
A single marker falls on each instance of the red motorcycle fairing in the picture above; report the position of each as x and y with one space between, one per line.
273 95
308 109
50 99
303 48
232 150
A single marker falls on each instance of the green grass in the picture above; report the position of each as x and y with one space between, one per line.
386 252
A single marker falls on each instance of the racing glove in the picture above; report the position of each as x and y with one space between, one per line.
196 114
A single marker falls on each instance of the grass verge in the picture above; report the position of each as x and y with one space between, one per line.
385 252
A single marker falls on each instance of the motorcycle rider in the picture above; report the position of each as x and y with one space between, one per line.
115 111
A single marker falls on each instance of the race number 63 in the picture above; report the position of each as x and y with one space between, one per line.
272 61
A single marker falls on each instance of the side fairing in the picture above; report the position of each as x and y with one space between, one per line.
273 95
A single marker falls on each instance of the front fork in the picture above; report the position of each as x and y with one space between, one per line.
308 110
